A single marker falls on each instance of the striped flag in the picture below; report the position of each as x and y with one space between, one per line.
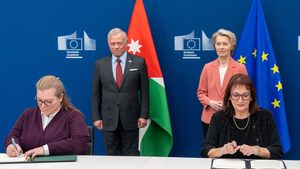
156 139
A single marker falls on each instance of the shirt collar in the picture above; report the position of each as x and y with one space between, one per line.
123 58
51 115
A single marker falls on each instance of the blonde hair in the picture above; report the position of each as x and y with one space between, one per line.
50 81
227 33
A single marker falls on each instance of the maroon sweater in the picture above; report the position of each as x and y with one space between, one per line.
66 133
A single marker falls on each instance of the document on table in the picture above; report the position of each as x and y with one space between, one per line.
4 158
264 164
228 163
247 164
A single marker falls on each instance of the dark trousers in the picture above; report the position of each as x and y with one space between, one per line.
205 129
121 142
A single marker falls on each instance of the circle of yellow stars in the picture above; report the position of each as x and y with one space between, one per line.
274 69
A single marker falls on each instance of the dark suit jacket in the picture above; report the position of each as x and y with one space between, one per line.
126 104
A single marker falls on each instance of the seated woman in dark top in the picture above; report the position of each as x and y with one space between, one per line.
54 127
241 129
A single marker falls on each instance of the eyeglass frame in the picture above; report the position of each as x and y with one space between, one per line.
240 96
46 102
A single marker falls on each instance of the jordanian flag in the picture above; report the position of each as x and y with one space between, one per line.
156 139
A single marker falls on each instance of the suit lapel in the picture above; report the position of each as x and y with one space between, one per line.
217 76
128 64
110 71
228 74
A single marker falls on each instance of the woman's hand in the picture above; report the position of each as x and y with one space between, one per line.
249 150
230 148
11 151
217 105
39 151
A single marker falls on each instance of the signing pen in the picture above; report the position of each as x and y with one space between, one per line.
15 145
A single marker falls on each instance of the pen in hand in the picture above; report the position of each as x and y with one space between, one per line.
15 146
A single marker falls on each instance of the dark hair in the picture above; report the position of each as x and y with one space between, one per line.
239 80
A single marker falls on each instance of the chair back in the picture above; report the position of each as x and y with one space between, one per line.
90 149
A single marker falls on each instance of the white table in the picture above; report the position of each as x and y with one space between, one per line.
117 162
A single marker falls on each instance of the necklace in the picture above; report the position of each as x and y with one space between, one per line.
241 128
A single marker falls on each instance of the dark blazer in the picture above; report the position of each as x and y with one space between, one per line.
262 125
128 103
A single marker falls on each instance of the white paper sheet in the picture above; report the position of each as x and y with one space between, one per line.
267 164
5 158
229 163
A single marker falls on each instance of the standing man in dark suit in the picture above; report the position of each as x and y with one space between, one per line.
120 100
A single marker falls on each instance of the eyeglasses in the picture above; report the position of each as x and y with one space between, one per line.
46 102
236 96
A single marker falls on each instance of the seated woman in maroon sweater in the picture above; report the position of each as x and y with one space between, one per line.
54 127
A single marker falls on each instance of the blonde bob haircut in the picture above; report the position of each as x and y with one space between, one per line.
227 33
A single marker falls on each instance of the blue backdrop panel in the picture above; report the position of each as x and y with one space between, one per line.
29 50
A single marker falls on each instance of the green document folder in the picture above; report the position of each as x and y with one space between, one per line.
56 158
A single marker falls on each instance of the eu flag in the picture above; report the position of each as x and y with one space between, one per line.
255 51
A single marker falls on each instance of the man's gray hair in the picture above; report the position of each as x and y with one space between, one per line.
116 31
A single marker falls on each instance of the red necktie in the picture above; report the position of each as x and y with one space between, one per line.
119 75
